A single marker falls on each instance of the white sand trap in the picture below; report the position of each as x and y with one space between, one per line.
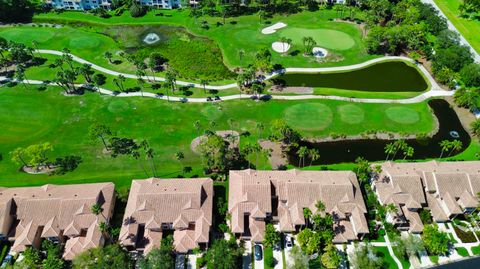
280 47
273 28
319 52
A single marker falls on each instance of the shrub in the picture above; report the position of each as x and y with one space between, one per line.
137 10
470 75
425 216
201 262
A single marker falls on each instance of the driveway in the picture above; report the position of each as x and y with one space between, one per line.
247 256
277 255
180 261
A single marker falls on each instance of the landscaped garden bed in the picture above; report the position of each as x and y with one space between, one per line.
465 236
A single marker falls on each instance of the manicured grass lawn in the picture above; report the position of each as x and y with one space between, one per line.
268 254
383 253
32 116
476 250
344 40
433 258
470 29
462 251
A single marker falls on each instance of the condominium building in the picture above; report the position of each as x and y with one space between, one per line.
280 197
159 207
446 189
93 4
60 213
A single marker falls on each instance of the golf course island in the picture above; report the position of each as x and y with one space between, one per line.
126 90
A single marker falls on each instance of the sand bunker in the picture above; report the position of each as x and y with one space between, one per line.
230 136
280 47
319 52
273 28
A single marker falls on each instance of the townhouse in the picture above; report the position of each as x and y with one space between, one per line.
280 197
446 189
60 213
159 207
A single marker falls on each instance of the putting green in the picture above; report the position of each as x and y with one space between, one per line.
402 115
351 114
309 116
84 42
326 38
212 112
118 106
27 35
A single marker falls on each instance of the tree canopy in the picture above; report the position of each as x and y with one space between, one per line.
435 241
110 256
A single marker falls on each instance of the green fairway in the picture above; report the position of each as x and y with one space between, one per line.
470 29
344 40
330 39
32 116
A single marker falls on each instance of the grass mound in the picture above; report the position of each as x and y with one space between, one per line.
310 116
351 114
402 115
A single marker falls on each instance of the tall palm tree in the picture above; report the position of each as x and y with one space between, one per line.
457 145
136 155
96 209
204 84
307 213
302 152
408 152
389 149
140 82
320 206
20 75
314 155
108 55
445 146
260 127
179 156
391 208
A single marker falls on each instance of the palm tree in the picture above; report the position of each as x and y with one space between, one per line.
391 209
86 71
307 213
320 206
389 149
457 145
180 156
314 155
140 82
119 82
204 84
136 155
96 209
197 126
302 152
445 145
20 75
475 126
171 78
150 154
103 227
408 152
399 145
108 55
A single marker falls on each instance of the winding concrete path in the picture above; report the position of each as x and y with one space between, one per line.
432 82
422 97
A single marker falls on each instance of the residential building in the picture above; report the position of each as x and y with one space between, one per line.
79 4
447 189
280 197
60 213
158 207
106 4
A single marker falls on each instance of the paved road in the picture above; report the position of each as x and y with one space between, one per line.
422 97
247 256
453 28
433 84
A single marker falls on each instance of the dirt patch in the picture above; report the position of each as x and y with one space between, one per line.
44 169
232 137
275 153
295 90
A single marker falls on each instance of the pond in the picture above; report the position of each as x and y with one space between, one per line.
393 76
374 149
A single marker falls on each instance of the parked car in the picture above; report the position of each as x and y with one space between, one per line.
258 252
183 100
209 99
288 242
217 98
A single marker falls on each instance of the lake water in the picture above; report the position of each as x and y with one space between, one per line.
394 76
